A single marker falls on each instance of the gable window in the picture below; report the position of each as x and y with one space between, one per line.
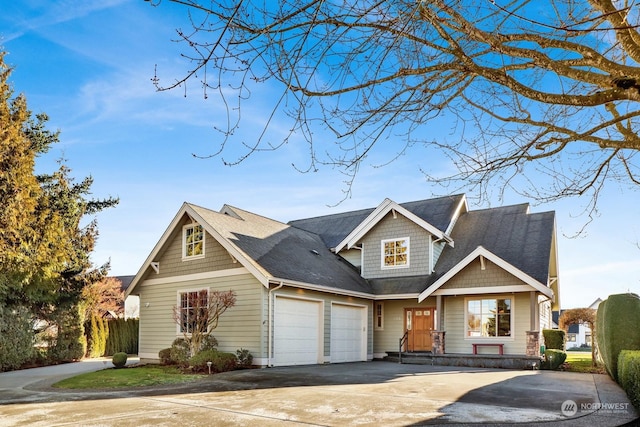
488 317
192 310
379 316
395 253
193 241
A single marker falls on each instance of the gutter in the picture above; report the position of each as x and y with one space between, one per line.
270 323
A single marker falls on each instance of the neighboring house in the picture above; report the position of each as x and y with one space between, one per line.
131 302
578 335
346 287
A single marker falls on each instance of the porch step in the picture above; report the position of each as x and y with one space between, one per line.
469 360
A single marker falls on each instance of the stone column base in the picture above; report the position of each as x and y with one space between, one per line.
437 342
533 343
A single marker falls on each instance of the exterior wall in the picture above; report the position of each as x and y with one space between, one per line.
172 264
328 299
240 326
387 339
395 228
472 276
454 325
353 256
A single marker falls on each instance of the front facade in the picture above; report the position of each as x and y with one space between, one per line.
430 276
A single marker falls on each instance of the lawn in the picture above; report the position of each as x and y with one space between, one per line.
139 376
580 361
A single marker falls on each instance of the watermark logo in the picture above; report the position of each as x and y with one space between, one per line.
569 408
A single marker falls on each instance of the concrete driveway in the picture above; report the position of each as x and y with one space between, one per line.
374 393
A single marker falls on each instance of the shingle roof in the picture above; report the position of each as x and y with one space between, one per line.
334 228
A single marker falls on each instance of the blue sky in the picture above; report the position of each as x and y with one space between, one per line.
89 64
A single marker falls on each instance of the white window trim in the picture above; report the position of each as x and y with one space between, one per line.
489 339
179 333
377 304
393 267
184 242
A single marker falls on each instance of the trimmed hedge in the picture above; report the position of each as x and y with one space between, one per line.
617 329
553 339
119 360
220 361
553 359
629 374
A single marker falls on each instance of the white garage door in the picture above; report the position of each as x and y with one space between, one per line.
348 333
297 332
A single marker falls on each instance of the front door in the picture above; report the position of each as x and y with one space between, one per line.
419 324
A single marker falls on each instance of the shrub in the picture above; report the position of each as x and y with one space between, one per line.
123 336
179 352
119 359
220 361
16 337
553 338
553 358
209 343
617 328
245 359
165 356
629 374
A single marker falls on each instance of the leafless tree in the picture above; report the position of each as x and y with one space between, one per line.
199 313
540 96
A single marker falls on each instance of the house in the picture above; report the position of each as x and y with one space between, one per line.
578 334
348 286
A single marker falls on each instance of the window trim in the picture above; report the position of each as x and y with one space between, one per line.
186 257
179 292
511 337
377 316
382 255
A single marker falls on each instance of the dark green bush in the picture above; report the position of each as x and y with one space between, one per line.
220 361
245 359
629 374
553 338
553 359
16 337
119 360
123 336
617 328
179 352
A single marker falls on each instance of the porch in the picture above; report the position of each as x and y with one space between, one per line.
509 361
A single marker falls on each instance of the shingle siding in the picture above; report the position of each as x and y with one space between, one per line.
472 276
395 228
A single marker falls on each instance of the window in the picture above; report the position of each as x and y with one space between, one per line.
395 253
488 318
193 309
193 243
379 316
571 337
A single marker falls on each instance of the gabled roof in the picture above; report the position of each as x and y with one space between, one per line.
272 251
436 215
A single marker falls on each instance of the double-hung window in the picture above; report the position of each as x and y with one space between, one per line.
193 241
395 253
193 311
488 317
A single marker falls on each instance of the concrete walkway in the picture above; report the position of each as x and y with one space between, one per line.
374 393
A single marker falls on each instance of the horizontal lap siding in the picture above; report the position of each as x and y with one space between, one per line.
240 326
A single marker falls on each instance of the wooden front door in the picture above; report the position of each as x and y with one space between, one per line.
419 324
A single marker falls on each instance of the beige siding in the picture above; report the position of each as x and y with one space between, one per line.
455 341
240 326
395 228
328 299
388 339
353 256
172 264
472 276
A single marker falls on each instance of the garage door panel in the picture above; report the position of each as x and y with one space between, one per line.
348 333
296 331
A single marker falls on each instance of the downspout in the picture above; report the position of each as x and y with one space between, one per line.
270 323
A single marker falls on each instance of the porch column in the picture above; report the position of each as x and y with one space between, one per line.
533 311
439 315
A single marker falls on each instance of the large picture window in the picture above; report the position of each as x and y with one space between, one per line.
193 243
488 317
395 253
193 309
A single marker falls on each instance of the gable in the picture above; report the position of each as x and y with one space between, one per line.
481 273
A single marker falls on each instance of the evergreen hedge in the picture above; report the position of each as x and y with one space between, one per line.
629 374
123 336
617 329
553 339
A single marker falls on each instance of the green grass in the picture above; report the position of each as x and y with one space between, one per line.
138 376
578 361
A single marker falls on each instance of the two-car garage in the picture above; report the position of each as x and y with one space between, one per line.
303 328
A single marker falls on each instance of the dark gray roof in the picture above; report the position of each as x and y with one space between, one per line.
125 281
521 238
334 228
